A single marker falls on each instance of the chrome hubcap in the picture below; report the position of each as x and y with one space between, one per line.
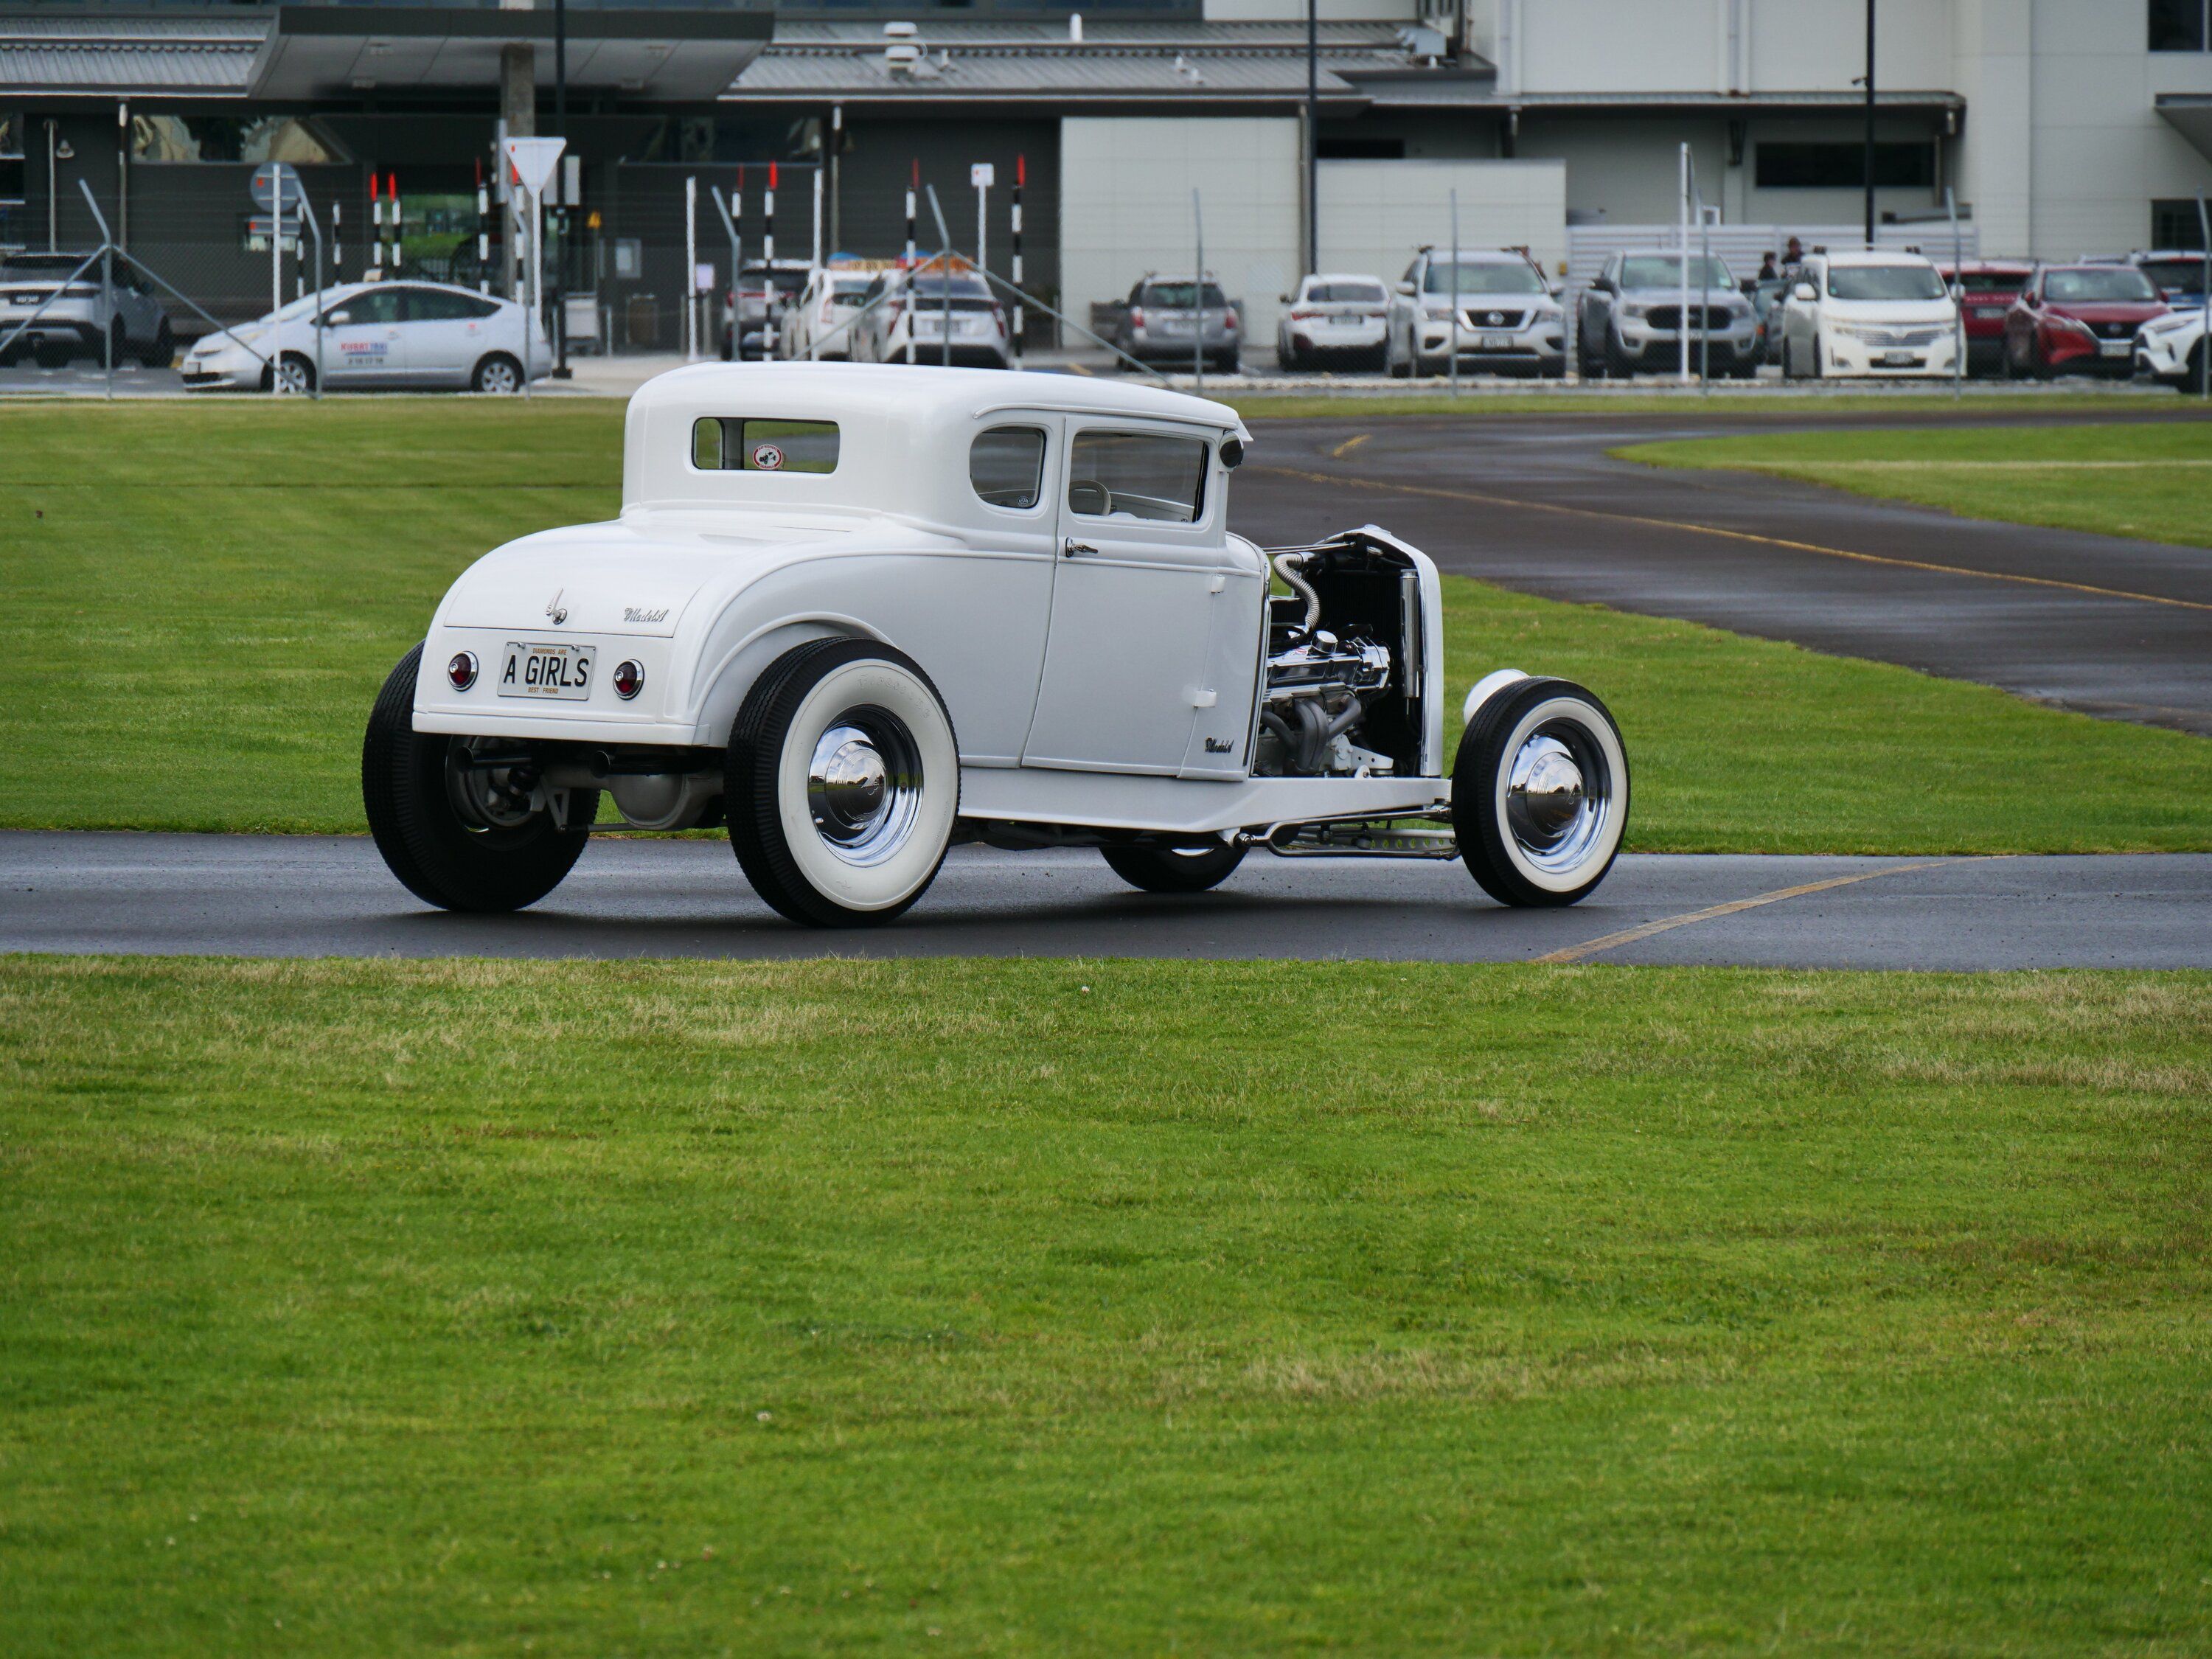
499 378
864 784
1558 796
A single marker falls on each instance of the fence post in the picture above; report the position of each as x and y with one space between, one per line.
2204 335
690 267
1452 350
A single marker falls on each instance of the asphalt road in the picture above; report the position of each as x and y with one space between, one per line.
330 896
1533 502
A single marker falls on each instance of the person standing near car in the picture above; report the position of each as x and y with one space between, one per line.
1768 273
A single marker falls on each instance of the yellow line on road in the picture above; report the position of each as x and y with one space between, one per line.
1631 935
1348 446
1730 535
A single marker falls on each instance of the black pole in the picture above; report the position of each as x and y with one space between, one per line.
1869 124
560 130
1312 138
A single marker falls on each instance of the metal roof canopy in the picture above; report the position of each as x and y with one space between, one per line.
672 53
2189 114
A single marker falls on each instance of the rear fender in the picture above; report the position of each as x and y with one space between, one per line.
744 662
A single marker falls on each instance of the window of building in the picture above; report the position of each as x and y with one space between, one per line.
2180 25
1006 466
1346 148
163 138
1794 166
1137 475
11 157
2175 224
731 444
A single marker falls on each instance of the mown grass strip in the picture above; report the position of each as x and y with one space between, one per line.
1078 1307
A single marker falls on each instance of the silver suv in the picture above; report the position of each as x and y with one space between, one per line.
1510 320
1171 320
1631 319
74 318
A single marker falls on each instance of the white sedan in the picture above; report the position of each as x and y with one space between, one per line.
1333 318
377 336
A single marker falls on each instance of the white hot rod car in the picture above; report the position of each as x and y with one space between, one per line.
861 614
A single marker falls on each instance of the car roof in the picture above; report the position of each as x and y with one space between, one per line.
1876 256
907 428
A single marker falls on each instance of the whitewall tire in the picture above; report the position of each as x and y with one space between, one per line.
844 781
1539 793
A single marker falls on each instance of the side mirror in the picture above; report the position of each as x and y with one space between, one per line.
1284 299
1558 289
1403 287
1233 453
1958 292
337 319
1803 291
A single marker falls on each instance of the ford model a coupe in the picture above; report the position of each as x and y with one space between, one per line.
860 614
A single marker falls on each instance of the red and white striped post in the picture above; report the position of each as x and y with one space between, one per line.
483 232
392 186
1021 177
913 188
768 260
376 222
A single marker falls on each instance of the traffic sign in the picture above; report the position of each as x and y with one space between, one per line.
533 161
274 182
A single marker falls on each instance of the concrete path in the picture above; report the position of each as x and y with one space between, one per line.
330 896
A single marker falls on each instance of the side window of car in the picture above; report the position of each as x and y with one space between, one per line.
736 444
1145 476
1006 466
374 305
430 305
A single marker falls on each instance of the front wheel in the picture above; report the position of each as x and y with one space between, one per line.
844 781
1174 869
461 835
1539 793
296 375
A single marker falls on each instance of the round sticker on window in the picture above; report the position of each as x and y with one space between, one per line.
767 456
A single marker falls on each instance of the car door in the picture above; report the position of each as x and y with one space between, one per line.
1143 567
362 341
445 334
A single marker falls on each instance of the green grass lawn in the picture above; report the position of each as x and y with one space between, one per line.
596 1308
202 601
2150 482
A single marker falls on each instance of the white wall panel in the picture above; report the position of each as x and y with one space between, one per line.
1375 215
1125 206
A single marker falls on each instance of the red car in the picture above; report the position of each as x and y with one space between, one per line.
2079 319
1988 289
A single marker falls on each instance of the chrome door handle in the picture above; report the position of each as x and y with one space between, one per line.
1071 548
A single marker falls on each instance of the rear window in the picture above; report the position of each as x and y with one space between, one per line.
1007 465
731 443
1341 294
1137 475
1994 281
1176 296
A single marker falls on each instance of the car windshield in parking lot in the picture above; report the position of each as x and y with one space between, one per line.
1366 294
1175 297
2175 276
1884 282
1665 270
2114 284
1489 277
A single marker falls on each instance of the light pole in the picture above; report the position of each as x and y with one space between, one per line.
561 219
1313 138
1869 124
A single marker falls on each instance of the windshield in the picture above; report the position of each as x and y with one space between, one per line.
1176 296
2175 276
1665 270
1884 282
1496 277
2115 284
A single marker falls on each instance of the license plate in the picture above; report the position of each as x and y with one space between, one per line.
1897 359
2116 348
1986 312
1496 342
547 671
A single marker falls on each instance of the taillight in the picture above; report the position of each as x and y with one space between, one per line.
1303 316
462 670
1136 316
891 309
630 678
1230 319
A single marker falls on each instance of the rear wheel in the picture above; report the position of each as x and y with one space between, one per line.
163 351
844 781
460 835
499 374
1174 869
1539 793
1617 366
